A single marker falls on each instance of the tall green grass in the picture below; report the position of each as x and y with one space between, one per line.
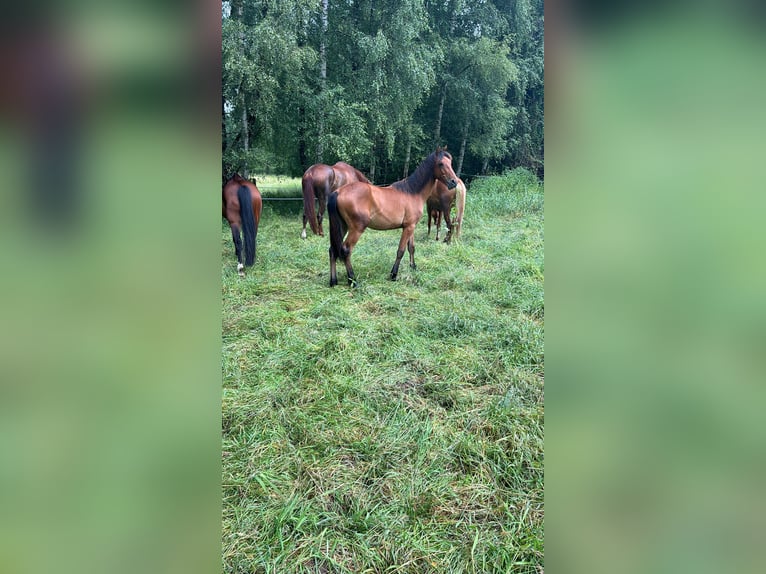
396 427
279 186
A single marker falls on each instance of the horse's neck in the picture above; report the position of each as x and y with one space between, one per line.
424 192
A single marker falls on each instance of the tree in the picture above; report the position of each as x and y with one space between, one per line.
379 83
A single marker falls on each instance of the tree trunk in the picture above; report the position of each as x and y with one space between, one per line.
302 156
245 131
224 136
372 162
322 80
245 135
438 131
462 149
407 158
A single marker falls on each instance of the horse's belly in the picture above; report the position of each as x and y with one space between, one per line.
382 221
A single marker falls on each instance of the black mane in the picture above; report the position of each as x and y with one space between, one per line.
422 174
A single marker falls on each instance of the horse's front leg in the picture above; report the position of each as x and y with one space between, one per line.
446 204
448 223
411 249
403 242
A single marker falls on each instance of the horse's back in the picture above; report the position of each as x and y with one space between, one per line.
353 192
377 207
346 173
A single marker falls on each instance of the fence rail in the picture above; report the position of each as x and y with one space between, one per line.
298 188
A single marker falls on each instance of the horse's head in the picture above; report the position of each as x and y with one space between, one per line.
443 169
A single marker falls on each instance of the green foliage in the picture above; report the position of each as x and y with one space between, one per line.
517 192
397 426
387 63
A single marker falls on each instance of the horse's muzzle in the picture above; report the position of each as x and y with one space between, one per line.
451 184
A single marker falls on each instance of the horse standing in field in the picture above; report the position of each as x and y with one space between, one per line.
440 202
242 207
318 182
357 206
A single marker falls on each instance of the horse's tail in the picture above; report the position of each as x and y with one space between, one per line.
336 227
249 229
460 206
308 203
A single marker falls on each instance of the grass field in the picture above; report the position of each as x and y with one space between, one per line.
396 427
279 186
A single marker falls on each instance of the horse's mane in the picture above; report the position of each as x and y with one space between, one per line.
422 174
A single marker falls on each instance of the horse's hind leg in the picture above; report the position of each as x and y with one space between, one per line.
237 237
354 233
333 274
350 272
303 233
321 204
438 223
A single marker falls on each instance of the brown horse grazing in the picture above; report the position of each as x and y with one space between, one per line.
242 207
440 202
318 182
357 206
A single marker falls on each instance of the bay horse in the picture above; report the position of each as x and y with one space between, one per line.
318 182
242 206
440 202
357 206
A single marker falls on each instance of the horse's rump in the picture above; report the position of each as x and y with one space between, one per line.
316 183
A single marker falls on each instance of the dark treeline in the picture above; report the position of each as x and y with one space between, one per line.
380 83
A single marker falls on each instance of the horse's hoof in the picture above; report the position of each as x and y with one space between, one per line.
393 277
303 234
413 266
